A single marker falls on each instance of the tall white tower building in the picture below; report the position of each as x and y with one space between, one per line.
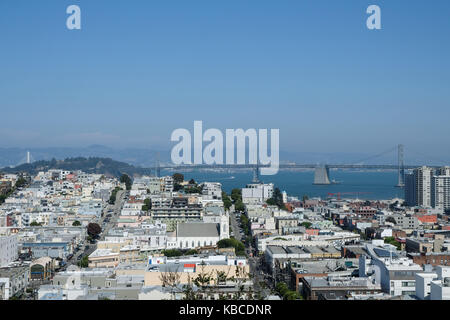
440 189
423 177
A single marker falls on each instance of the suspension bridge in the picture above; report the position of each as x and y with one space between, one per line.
322 171
27 159
321 174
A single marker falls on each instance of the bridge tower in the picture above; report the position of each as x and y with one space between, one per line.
256 174
322 175
28 157
401 167
158 166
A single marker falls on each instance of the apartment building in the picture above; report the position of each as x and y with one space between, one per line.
15 280
8 249
257 193
440 191
434 285
191 266
103 258
337 288
428 188
395 274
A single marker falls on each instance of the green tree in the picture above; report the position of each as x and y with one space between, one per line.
232 243
21 182
178 178
245 224
287 294
172 253
127 180
194 189
35 224
84 262
239 206
226 201
306 224
278 197
94 229
76 223
276 200
236 195
147 205
112 198
391 240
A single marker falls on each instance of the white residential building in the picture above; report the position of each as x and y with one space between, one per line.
395 274
257 193
440 192
423 177
440 288
434 285
211 190
8 249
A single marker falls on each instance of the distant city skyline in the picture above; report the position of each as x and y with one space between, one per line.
134 73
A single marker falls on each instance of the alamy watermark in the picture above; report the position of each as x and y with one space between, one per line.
74 20
373 22
235 144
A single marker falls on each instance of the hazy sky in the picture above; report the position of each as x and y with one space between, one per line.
140 69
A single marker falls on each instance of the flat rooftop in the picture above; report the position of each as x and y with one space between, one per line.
102 253
276 249
198 229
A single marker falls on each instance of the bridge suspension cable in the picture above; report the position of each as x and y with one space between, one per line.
377 155
428 157
28 158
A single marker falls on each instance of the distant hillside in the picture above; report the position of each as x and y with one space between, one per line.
104 166
135 156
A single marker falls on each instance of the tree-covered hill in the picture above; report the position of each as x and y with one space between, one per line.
104 166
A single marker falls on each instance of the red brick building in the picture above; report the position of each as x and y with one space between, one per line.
435 259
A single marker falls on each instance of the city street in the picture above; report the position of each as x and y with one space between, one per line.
254 262
116 208
235 224
87 247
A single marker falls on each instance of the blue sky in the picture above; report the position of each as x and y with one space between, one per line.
140 69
